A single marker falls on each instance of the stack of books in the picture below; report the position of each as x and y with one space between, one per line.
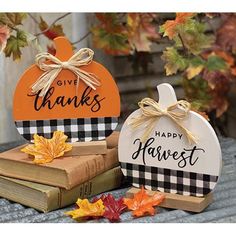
58 184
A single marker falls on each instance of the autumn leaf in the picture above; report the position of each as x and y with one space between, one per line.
4 35
192 37
196 66
219 84
87 209
226 56
112 43
220 104
46 150
110 35
197 92
174 61
12 19
193 71
142 203
14 45
113 207
141 31
216 63
226 34
53 32
170 26
219 101
233 70
219 60
16 18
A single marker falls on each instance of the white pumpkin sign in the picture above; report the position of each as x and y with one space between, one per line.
166 161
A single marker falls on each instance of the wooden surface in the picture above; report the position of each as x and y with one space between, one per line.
223 208
180 202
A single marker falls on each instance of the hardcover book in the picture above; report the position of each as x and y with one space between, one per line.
46 198
65 172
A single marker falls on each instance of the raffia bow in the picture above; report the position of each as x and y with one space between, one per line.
82 58
151 113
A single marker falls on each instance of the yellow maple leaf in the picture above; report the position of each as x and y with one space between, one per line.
45 150
194 71
87 209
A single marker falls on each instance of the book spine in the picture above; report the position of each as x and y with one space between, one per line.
109 180
23 191
94 166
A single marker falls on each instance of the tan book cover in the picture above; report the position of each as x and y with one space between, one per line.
46 198
65 172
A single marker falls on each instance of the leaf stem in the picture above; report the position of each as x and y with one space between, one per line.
34 19
182 41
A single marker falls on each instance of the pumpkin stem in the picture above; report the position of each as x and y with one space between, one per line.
64 48
167 95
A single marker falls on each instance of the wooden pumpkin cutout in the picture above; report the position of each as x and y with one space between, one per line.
82 113
166 161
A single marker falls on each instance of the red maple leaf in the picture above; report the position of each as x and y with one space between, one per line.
113 207
52 32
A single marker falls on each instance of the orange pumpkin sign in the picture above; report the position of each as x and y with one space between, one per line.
83 109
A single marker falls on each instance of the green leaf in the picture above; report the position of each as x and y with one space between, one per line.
197 61
197 91
193 37
174 61
14 45
215 63
113 43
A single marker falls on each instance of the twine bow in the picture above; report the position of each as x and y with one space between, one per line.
151 113
82 58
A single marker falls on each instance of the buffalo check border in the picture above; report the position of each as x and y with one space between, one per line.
82 129
168 180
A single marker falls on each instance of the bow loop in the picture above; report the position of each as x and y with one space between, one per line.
180 110
151 113
52 66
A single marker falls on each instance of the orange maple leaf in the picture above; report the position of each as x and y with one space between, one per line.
233 71
142 203
45 150
222 54
169 27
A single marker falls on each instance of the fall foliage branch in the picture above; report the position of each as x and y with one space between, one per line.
54 22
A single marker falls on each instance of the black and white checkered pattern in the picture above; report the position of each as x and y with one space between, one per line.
82 129
170 181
